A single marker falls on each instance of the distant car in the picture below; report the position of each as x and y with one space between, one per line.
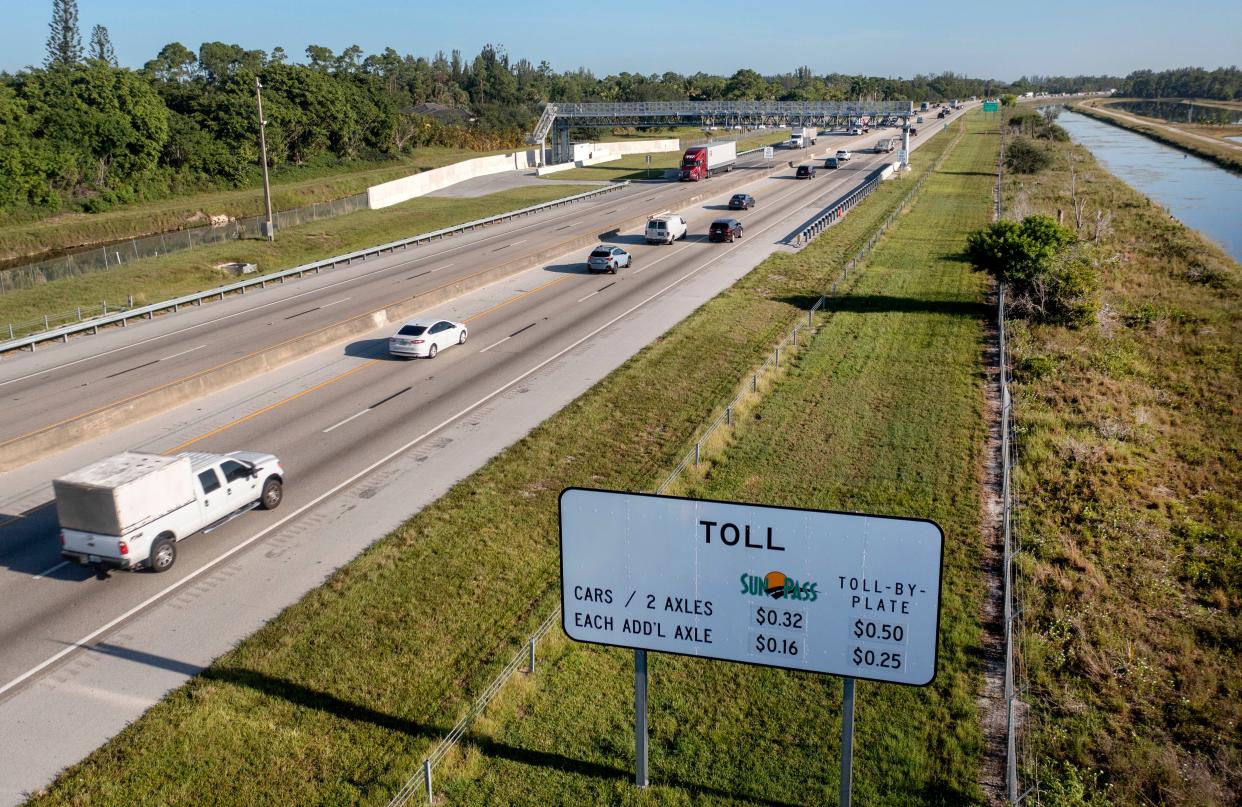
855 130
426 338
806 172
914 132
725 230
741 201
843 155
832 162
608 259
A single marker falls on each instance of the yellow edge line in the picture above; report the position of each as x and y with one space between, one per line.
270 407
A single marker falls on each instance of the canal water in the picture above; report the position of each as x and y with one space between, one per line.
1199 193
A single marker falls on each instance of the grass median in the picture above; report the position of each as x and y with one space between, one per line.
338 698
1130 478
881 413
154 279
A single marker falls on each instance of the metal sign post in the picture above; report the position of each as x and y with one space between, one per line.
847 741
640 718
648 166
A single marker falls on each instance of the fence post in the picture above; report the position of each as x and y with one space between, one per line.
778 357
532 655
427 780
79 313
754 382
696 453
728 415
45 325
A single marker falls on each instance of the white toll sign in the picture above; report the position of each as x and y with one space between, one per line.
768 151
840 593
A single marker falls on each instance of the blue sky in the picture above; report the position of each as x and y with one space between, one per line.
998 39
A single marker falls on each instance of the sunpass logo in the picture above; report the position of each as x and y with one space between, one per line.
776 585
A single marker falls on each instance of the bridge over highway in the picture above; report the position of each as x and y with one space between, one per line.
558 119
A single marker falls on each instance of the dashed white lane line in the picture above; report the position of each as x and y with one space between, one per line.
346 420
334 302
46 572
182 353
493 344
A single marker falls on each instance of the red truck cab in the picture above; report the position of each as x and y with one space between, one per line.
694 164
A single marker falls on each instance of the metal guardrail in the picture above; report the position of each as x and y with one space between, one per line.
692 457
831 215
149 311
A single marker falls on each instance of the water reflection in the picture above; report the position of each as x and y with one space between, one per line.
1199 193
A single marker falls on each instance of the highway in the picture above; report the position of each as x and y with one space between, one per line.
60 382
367 440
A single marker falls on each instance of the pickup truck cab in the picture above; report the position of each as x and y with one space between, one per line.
665 228
129 511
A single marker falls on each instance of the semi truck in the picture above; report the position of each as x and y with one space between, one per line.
128 511
701 162
803 136
885 144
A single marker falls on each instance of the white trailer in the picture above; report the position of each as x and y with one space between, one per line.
128 511
803 136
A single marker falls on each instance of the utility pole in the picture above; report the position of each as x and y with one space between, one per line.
267 228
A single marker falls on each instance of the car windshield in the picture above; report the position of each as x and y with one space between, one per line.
739 198
412 330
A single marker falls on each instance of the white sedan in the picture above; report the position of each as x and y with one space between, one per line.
426 338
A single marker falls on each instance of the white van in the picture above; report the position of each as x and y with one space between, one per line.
665 228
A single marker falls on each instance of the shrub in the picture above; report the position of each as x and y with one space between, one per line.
1049 281
1024 156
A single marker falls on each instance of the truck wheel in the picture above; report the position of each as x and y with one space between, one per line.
163 555
273 492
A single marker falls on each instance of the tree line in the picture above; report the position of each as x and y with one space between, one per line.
82 132
1222 84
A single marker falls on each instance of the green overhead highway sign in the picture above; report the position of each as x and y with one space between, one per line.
991 106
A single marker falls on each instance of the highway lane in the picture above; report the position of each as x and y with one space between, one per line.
554 317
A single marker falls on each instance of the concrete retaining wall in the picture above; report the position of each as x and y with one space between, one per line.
420 184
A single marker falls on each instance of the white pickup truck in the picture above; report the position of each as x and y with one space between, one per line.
129 511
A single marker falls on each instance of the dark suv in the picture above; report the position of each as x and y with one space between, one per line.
806 172
741 201
725 230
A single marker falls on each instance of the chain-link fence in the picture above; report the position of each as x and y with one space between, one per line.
1021 769
120 253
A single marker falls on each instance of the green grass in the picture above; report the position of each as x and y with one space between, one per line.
24 234
338 698
1129 471
162 278
634 166
883 413
1224 154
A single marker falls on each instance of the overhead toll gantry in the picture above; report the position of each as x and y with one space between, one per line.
558 119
